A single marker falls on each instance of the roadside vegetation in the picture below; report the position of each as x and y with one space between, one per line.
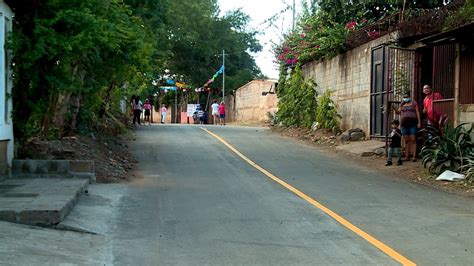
74 61
328 28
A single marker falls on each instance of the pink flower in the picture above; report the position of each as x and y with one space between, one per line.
302 35
318 46
351 25
373 34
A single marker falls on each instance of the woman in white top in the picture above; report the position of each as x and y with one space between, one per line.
215 112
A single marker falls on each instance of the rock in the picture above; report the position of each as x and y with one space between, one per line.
345 136
380 151
356 135
366 154
315 126
355 130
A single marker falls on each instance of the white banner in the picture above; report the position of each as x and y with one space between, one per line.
191 109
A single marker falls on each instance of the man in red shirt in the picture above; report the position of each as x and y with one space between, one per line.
432 115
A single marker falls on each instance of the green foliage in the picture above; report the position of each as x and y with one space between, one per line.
452 150
468 169
297 107
326 113
324 26
67 51
74 60
463 16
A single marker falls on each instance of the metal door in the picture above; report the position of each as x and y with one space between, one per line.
377 92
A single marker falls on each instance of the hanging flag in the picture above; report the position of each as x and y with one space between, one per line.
220 71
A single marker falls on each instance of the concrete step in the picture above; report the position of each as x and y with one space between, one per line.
54 168
39 201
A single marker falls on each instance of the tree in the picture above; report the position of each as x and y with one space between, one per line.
71 54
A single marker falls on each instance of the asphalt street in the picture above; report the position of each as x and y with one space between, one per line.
199 202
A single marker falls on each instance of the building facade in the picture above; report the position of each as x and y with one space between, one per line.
6 124
254 100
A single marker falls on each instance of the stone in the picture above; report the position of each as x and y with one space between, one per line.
379 151
355 136
355 130
366 154
345 136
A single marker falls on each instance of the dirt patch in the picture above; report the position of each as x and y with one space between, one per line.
113 161
412 171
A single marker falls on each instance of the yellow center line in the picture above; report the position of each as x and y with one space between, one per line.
372 240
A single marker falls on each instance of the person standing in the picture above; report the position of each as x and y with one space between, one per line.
409 121
137 109
432 115
215 112
395 144
221 110
163 114
147 107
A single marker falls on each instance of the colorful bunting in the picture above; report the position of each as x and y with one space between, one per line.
220 71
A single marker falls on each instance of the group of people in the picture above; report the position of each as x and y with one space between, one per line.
410 121
218 113
137 107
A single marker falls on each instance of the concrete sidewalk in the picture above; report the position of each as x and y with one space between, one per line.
39 201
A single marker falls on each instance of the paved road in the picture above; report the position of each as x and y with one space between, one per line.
200 203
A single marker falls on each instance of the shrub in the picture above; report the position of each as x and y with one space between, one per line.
452 150
326 113
297 107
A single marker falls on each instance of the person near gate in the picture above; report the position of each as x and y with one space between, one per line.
395 144
215 112
433 115
410 121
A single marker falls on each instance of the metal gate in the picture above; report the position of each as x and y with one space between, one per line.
393 73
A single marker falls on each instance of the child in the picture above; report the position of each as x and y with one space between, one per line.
395 144
147 107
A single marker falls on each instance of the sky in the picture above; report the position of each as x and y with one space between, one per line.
259 11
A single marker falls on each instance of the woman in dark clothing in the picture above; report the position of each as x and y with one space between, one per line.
409 121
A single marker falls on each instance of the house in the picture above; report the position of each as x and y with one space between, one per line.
6 125
368 79
254 100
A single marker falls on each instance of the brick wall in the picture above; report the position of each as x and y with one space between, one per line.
251 105
348 77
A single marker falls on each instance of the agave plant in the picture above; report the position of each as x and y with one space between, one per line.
452 150
468 169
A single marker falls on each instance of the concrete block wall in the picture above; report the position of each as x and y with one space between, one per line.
348 77
466 115
251 105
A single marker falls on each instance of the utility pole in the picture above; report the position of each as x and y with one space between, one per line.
223 75
176 106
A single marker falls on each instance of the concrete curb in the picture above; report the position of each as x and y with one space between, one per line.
32 205
54 168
